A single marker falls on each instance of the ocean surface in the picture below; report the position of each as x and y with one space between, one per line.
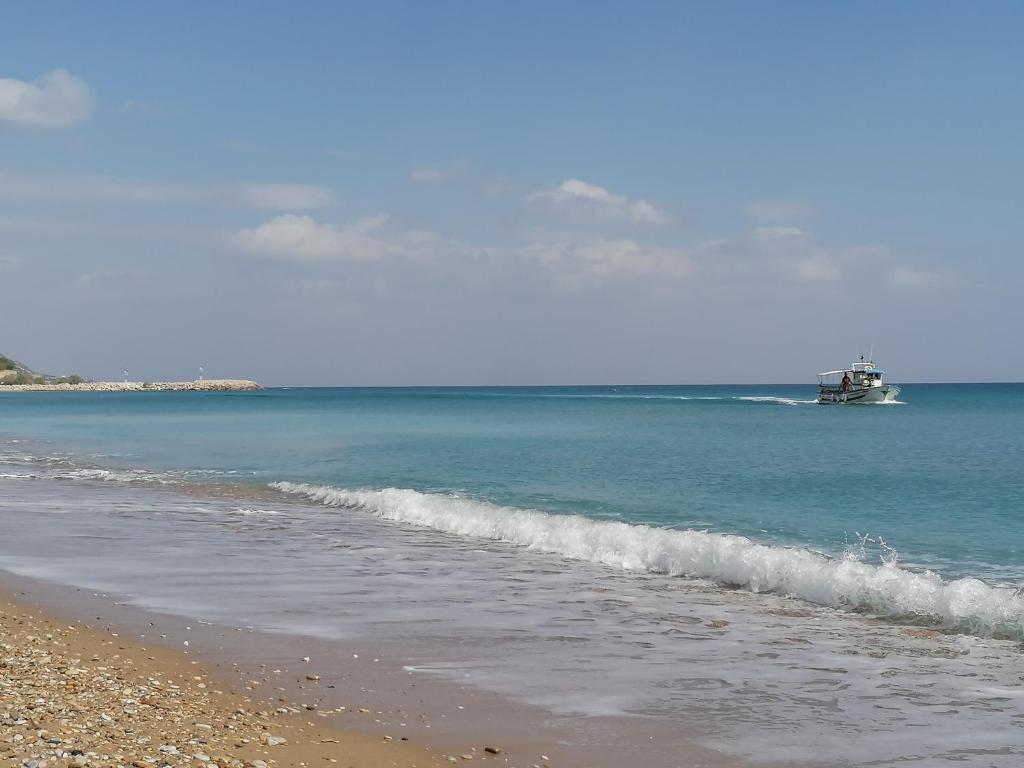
789 577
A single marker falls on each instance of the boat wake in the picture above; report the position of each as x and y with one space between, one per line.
884 590
770 399
779 400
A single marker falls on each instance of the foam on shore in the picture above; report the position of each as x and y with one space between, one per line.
885 590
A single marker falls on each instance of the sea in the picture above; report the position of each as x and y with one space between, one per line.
792 580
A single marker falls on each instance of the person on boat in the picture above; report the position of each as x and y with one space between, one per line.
845 385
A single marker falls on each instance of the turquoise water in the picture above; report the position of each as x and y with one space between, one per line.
775 574
939 479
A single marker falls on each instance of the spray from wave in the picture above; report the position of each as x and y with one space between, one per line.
884 590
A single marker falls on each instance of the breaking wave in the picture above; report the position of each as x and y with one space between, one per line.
884 590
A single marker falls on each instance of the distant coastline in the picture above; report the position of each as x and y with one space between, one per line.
206 385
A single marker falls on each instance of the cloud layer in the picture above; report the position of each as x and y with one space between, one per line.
369 239
301 238
56 99
577 197
270 196
765 256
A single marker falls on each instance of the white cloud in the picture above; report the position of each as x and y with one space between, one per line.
575 196
643 212
578 261
371 239
302 238
56 99
766 256
779 211
271 196
797 255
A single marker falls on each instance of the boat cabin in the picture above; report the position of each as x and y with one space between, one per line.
862 381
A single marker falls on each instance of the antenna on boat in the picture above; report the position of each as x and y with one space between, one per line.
871 354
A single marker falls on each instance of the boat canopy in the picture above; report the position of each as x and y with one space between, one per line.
879 371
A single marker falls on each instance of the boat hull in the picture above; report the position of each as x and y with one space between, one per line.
860 396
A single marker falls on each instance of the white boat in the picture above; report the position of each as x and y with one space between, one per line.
860 383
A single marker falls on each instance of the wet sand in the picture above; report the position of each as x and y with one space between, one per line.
332 703
79 696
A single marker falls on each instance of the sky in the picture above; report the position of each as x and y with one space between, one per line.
483 193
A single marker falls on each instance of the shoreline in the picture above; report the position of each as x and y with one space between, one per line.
206 385
76 695
377 711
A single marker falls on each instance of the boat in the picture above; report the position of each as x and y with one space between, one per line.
862 382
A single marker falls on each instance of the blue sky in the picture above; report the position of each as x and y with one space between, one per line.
483 193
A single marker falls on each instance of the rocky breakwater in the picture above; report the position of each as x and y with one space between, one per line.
206 385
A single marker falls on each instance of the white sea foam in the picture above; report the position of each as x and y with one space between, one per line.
779 400
771 399
109 475
884 590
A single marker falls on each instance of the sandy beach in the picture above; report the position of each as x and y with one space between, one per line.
73 658
83 672
87 680
75 695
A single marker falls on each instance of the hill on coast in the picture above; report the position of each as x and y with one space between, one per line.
13 372
18 377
